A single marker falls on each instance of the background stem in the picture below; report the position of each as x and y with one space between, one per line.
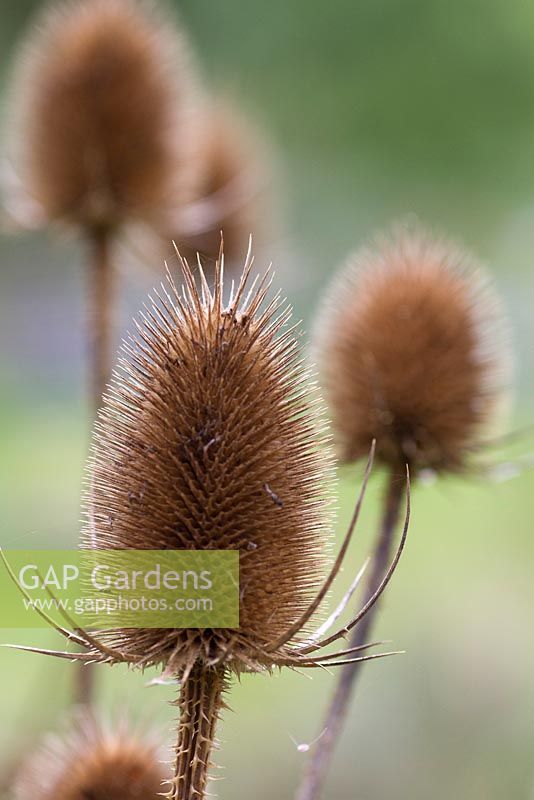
100 323
321 756
100 338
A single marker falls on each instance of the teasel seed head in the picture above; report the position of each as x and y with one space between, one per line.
92 761
412 350
233 195
104 110
210 438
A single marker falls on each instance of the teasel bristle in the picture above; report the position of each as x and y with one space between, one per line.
96 760
413 352
212 438
233 197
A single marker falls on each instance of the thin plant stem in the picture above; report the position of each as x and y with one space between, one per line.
321 756
100 323
100 338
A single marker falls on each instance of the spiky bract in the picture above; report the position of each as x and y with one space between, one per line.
104 111
412 351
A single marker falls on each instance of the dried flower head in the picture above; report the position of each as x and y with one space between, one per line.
232 197
412 351
104 112
92 762
210 438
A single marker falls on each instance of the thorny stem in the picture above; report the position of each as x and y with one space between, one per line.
100 336
200 704
317 768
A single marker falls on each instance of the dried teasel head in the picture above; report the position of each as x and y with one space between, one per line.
92 761
219 447
210 438
104 112
233 194
412 351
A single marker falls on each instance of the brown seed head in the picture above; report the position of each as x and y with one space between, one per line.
209 439
104 113
93 763
412 351
232 196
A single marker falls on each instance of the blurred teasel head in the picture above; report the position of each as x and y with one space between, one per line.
103 105
93 761
211 438
412 350
233 195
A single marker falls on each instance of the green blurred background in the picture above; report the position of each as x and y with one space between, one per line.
377 110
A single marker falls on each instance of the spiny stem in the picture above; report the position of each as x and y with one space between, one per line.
100 336
317 768
200 704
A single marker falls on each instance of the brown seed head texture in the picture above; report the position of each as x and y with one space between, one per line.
104 112
210 438
91 762
412 351
232 197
